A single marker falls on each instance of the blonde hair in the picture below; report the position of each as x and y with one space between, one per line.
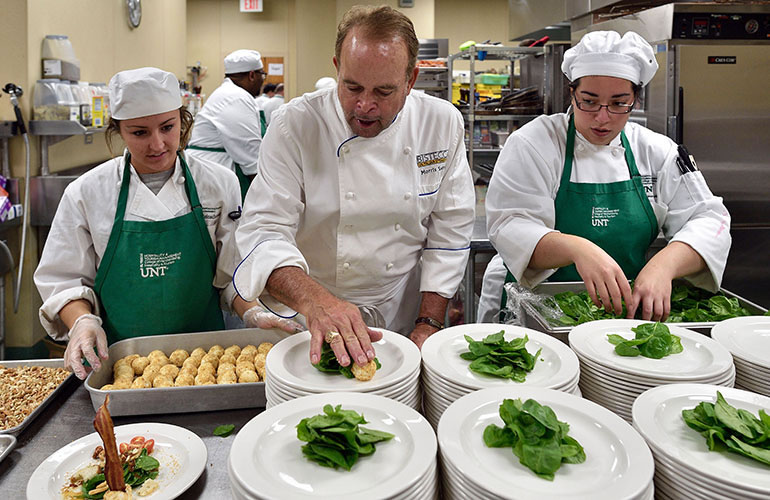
186 118
379 23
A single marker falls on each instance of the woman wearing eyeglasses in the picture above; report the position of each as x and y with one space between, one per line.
580 196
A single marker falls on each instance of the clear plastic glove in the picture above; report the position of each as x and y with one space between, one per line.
259 317
86 332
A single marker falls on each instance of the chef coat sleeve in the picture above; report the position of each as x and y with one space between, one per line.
67 267
451 223
239 129
520 204
693 215
266 234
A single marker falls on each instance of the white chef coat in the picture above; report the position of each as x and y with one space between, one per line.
361 214
83 222
261 99
521 194
229 119
271 105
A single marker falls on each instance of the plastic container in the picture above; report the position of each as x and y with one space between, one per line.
67 100
492 79
45 102
84 98
58 58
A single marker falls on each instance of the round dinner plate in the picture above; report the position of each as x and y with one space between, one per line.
701 358
747 337
618 462
181 453
657 414
266 459
288 361
557 365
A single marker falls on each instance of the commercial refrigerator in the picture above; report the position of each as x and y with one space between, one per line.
712 93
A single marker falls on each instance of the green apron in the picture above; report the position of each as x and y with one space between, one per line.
243 179
156 277
616 216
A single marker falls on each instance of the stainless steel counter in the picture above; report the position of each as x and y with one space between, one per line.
70 416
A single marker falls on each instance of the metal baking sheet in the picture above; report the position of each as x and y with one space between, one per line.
7 444
533 319
52 363
180 399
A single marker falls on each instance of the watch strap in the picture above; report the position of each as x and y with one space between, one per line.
429 321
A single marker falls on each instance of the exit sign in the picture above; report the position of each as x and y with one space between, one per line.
251 5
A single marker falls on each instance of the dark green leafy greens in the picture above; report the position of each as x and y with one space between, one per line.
496 357
144 467
732 429
653 340
536 436
688 305
224 430
329 364
335 438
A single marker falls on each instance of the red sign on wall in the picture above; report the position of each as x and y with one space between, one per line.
251 5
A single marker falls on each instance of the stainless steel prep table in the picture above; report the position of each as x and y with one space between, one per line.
479 243
70 416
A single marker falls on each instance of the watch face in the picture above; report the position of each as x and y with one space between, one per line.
134 12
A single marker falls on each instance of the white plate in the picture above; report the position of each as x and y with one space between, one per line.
288 361
267 461
747 337
181 453
618 464
556 366
702 357
657 414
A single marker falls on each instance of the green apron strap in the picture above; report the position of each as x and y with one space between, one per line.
195 203
243 180
262 122
120 212
210 150
631 162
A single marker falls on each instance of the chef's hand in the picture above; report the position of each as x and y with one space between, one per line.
652 291
86 332
330 315
605 281
421 333
259 317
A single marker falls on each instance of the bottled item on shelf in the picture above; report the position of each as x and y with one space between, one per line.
45 101
104 91
58 58
84 99
97 106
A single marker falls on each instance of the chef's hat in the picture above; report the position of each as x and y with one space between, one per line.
143 92
605 53
325 83
242 60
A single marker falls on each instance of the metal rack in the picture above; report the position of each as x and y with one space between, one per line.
53 131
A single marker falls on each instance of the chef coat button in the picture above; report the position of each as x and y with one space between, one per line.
407 150
615 152
407 196
350 195
345 149
398 226
346 265
580 147
389 266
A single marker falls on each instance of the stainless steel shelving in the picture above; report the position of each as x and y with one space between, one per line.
53 131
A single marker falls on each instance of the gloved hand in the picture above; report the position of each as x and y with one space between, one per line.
86 332
259 317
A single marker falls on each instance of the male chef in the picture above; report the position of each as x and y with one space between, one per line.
227 129
362 212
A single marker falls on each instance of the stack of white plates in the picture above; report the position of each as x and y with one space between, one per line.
615 381
618 463
266 460
446 376
684 466
748 339
290 374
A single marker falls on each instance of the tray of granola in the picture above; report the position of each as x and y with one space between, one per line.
184 372
26 388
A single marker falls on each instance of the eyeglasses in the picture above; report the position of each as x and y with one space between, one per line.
593 107
261 73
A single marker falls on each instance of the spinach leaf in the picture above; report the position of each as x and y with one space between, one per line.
335 439
496 357
328 363
652 340
224 430
536 437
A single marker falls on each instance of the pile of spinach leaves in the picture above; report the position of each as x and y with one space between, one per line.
688 305
328 363
536 436
498 358
653 340
335 438
144 467
733 429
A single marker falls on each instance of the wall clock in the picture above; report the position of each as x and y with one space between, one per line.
134 9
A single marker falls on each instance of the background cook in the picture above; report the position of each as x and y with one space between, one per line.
581 195
147 249
369 184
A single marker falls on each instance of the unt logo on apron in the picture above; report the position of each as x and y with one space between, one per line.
601 216
156 264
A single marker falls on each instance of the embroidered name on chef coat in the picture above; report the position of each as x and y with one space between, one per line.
153 265
432 162
649 182
601 216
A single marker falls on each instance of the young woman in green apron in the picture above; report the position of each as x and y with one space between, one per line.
143 244
620 185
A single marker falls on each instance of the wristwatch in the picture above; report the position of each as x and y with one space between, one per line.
429 321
